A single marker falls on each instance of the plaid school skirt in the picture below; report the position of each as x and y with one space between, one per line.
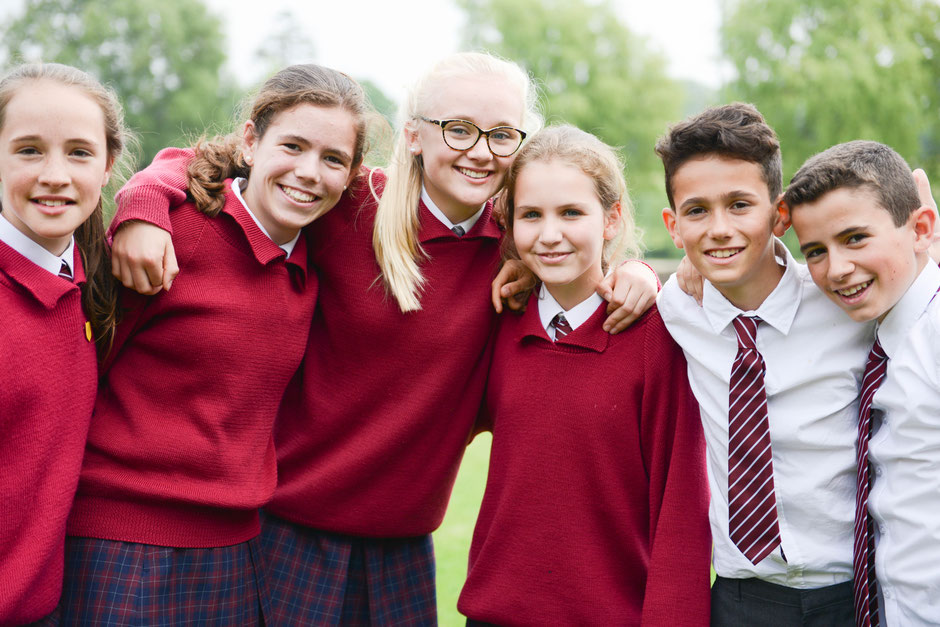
125 583
320 578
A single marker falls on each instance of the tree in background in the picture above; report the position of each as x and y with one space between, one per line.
829 71
596 75
163 57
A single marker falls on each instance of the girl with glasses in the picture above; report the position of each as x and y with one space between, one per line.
372 430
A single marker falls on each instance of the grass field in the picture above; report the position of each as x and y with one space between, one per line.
452 540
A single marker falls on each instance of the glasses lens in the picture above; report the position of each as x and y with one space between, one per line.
504 140
460 135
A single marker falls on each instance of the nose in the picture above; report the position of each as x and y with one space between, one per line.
840 265
308 168
551 231
719 225
480 150
55 171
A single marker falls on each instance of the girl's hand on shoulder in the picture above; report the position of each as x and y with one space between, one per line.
629 291
142 257
689 280
513 285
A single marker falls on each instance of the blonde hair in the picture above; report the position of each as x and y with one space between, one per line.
598 161
395 235
221 158
99 294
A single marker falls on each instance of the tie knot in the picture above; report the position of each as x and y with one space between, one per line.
65 271
562 328
459 231
746 329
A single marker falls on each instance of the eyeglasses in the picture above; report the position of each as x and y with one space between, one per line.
462 135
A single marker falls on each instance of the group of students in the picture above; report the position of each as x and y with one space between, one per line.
284 388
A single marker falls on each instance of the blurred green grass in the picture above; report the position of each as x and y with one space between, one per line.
452 539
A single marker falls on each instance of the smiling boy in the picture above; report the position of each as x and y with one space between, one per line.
866 236
775 369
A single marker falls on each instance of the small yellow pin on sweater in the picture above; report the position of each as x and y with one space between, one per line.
88 330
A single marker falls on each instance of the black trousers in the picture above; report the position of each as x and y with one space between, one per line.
752 602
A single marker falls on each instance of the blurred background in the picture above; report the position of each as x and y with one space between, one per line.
821 72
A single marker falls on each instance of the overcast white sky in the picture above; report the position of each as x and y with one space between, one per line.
390 42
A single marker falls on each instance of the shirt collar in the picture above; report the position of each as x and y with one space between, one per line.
576 316
777 310
19 242
45 288
897 324
237 190
437 213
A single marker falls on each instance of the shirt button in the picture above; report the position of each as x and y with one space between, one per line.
878 471
882 529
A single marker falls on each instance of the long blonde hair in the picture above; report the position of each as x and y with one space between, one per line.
600 163
395 235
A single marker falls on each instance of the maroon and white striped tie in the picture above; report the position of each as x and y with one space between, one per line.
863 551
64 271
562 328
752 507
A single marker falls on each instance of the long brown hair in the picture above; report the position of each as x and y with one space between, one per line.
221 157
99 294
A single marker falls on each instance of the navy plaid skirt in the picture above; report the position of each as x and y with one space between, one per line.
125 583
320 578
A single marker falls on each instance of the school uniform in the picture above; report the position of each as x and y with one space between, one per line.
180 454
49 374
814 359
905 455
371 431
596 499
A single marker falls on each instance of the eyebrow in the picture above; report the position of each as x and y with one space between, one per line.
38 138
701 200
466 118
297 139
840 234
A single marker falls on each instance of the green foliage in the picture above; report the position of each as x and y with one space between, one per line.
829 71
162 57
596 75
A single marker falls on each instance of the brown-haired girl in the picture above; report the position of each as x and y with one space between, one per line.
180 453
61 134
595 510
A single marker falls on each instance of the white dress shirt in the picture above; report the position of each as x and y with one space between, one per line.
576 316
815 356
905 453
18 241
466 225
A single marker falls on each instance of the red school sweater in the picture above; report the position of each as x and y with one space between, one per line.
180 451
596 502
46 399
373 428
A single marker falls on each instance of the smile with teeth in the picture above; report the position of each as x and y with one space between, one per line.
51 203
474 174
298 195
855 289
724 253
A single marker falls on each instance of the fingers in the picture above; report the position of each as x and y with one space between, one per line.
495 295
170 266
516 293
138 257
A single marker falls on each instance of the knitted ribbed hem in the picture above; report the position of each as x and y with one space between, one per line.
163 524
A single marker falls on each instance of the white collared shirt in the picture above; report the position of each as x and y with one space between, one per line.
466 225
237 190
18 241
905 455
576 316
815 357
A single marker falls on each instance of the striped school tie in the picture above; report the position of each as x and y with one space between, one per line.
459 231
64 271
752 507
562 328
863 551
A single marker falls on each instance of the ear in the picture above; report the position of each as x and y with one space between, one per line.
411 136
781 217
669 219
923 221
612 221
250 141
107 173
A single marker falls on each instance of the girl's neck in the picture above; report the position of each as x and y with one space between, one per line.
569 295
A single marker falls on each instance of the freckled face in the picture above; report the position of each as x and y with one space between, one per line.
53 161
